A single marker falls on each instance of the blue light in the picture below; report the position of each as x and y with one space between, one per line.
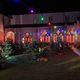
49 32
78 31
17 1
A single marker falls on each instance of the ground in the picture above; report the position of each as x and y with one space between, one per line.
59 67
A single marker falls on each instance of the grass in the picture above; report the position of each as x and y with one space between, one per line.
59 67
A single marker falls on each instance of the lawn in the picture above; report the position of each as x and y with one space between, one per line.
59 67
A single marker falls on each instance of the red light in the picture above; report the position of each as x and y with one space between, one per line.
49 24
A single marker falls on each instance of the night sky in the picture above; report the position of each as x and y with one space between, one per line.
40 6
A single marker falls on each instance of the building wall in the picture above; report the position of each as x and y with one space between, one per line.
35 18
1 29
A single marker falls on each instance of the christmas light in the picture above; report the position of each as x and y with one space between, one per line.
55 27
31 11
55 38
49 24
41 19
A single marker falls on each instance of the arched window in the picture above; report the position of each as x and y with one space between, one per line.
10 36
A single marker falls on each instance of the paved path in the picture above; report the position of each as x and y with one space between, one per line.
75 50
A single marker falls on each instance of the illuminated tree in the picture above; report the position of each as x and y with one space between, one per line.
7 50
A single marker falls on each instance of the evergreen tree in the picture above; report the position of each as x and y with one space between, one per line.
7 50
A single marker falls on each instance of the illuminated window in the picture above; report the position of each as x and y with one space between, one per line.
10 36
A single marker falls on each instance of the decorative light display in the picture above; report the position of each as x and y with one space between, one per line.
55 37
27 38
62 37
78 37
45 37
64 32
49 24
41 39
75 33
49 33
23 40
10 36
58 32
70 39
55 27
67 38
42 18
31 11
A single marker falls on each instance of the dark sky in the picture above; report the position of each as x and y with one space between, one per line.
40 6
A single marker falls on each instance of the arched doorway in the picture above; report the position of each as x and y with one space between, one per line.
10 36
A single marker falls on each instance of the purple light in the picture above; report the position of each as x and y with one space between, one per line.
32 11
62 30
